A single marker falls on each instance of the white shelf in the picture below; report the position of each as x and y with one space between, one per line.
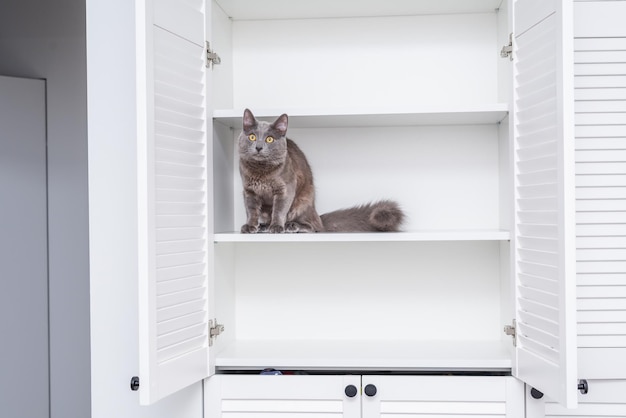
277 9
366 355
336 118
460 235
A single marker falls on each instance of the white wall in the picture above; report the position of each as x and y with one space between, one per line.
47 40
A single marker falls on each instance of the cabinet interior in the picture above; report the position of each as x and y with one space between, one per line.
404 103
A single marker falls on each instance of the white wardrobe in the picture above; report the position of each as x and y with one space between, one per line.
507 157
600 126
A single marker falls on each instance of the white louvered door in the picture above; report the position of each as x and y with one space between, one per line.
544 199
172 196
600 104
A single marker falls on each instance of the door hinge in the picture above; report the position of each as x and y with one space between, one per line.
215 329
510 330
211 56
507 50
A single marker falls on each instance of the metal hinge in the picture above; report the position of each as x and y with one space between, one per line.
507 50
510 330
215 329
211 56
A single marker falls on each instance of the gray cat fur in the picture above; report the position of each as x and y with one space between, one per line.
278 189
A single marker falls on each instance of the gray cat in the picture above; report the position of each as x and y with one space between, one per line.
278 188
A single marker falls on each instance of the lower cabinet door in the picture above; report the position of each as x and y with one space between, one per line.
442 396
604 399
293 396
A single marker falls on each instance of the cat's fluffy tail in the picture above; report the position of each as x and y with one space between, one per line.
382 216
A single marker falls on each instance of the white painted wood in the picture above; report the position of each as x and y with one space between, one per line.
544 192
264 396
335 291
604 399
285 301
183 18
172 201
400 355
460 235
324 396
429 181
377 116
249 10
444 396
332 63
425 172
600 19
113 218
601 201
221 40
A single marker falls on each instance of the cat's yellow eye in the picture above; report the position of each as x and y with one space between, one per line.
252 137
269 139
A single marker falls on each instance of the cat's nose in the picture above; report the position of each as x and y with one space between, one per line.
258 148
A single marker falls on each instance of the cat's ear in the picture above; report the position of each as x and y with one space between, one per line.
280 124
249 122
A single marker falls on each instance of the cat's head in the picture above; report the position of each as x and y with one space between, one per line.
263 142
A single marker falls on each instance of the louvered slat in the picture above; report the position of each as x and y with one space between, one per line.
537 182
600 68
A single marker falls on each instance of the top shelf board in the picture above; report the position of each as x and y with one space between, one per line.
306 9
314 118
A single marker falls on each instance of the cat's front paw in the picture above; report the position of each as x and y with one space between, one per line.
249 229
292 227
276 229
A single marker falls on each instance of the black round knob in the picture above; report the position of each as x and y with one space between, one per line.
370 390
134 383
351 391
536 394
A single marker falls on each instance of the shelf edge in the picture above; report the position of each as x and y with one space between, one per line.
369 117
422 236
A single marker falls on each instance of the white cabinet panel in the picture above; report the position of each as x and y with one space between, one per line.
264 396
605 399
364 62
172 191
184 18
442 396
369 396
368 66
544 192
600 77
